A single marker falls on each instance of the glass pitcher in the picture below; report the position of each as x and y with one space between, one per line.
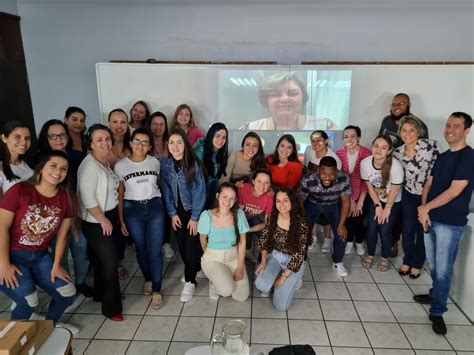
231 339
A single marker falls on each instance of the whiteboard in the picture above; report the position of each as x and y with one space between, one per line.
435 91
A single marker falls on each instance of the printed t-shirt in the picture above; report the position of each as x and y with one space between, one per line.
255 208
37 218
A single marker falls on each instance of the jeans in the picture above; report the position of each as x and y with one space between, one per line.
385 230
283 295
313 211
104 258
36 268
412 231
441 243
78 248
145 222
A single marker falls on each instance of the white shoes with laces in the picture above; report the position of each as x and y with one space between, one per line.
188 292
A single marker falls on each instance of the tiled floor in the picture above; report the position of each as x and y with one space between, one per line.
368 312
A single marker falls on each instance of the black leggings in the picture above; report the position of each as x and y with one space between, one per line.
104 257
189 247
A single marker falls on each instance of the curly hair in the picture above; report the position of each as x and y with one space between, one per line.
297 219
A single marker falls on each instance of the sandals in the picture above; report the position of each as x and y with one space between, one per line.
384 265
404 272
367 262
416 274
122 272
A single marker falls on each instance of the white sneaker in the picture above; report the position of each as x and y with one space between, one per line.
349 246
340 268
326 246
188 292
213 295
299 284
72 328
147 289
167 250
360 248
314 243
265 294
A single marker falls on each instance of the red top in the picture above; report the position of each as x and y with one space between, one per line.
357 185
255 208
286 175
194 134
37 218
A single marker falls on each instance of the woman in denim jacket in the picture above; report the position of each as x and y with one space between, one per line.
184 192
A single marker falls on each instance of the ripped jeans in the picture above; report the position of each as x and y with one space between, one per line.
36 268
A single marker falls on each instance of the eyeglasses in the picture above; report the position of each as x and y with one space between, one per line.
398 104
55 137
137 141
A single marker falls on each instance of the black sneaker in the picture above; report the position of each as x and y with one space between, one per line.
439 327
423 299
85 289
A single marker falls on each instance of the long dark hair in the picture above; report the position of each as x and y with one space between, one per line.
189 160
294 154
5 156
69 111
387 163
297 220
234 209
221 155
258 160
43 141
126 136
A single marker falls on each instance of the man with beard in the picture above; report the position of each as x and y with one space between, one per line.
399 107
443 213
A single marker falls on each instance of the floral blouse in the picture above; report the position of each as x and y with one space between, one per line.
419 167
277 241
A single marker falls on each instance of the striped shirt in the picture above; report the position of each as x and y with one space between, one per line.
319 194
357 185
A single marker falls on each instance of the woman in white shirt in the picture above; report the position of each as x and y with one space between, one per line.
141 210
97 190
383 175
14 145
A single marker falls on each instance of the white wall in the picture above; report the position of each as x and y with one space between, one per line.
9 6
64 38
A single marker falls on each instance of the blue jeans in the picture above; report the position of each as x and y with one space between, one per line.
412 231
283 295
385 230
36 268
441 243
313 211
78 248
145 222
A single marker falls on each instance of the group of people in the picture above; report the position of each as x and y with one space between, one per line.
91 190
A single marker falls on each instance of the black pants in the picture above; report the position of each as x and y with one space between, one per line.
105 259
355 228
189 247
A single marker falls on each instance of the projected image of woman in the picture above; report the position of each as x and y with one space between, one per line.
284 94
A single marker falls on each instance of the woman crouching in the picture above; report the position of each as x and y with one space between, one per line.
283 246
222 232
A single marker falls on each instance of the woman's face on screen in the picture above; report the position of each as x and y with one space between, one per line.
285 99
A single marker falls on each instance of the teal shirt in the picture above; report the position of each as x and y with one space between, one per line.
221 238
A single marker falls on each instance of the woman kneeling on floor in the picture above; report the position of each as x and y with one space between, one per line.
283 245
222 232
